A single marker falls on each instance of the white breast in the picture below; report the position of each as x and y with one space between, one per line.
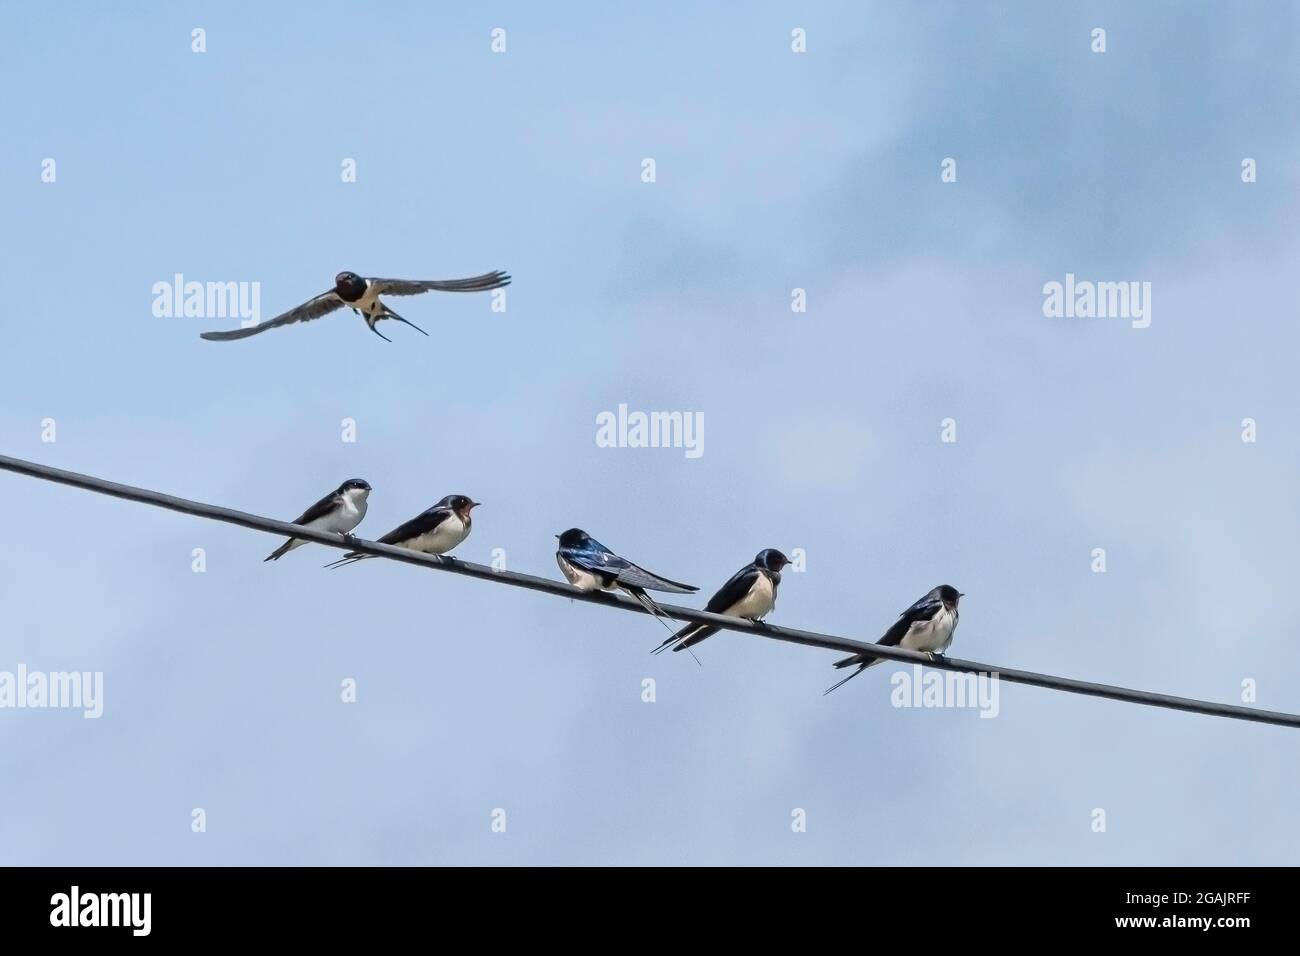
353 510
451 532
367 301
759 602
581 579
932 635
344 519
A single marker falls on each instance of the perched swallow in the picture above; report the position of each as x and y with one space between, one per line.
926 626
590 566
362 297
751 594
340 511
434 531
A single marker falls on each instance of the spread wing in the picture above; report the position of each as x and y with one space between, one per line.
323 304
321 508
483 283
422 523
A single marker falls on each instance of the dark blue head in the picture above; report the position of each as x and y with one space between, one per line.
349 286
574 538
461 504
948 594
771 559
355 484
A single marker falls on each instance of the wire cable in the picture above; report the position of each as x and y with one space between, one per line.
561 589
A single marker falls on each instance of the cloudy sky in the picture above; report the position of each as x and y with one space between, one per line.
774 171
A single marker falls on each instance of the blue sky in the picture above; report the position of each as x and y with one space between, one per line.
774 171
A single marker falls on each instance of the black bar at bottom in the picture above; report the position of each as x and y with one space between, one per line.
207 905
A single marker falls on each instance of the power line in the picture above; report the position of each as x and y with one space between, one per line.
791 635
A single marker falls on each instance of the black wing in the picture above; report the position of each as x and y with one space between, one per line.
321 508
483 283
422 523
596 559
638 577
924 609
734 590
731 592
323 304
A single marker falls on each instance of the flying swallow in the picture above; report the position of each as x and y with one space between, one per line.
361 295
926 626
340 511
751 594
435 530
590 566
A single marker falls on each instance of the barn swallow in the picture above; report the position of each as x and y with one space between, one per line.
340 511
434 531
362 297
590 566
926 626
751 594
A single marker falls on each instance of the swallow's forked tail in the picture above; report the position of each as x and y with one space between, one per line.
281 551
390 314
840 683
649 604
352 557
862 663
672 639
686 638
690 640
